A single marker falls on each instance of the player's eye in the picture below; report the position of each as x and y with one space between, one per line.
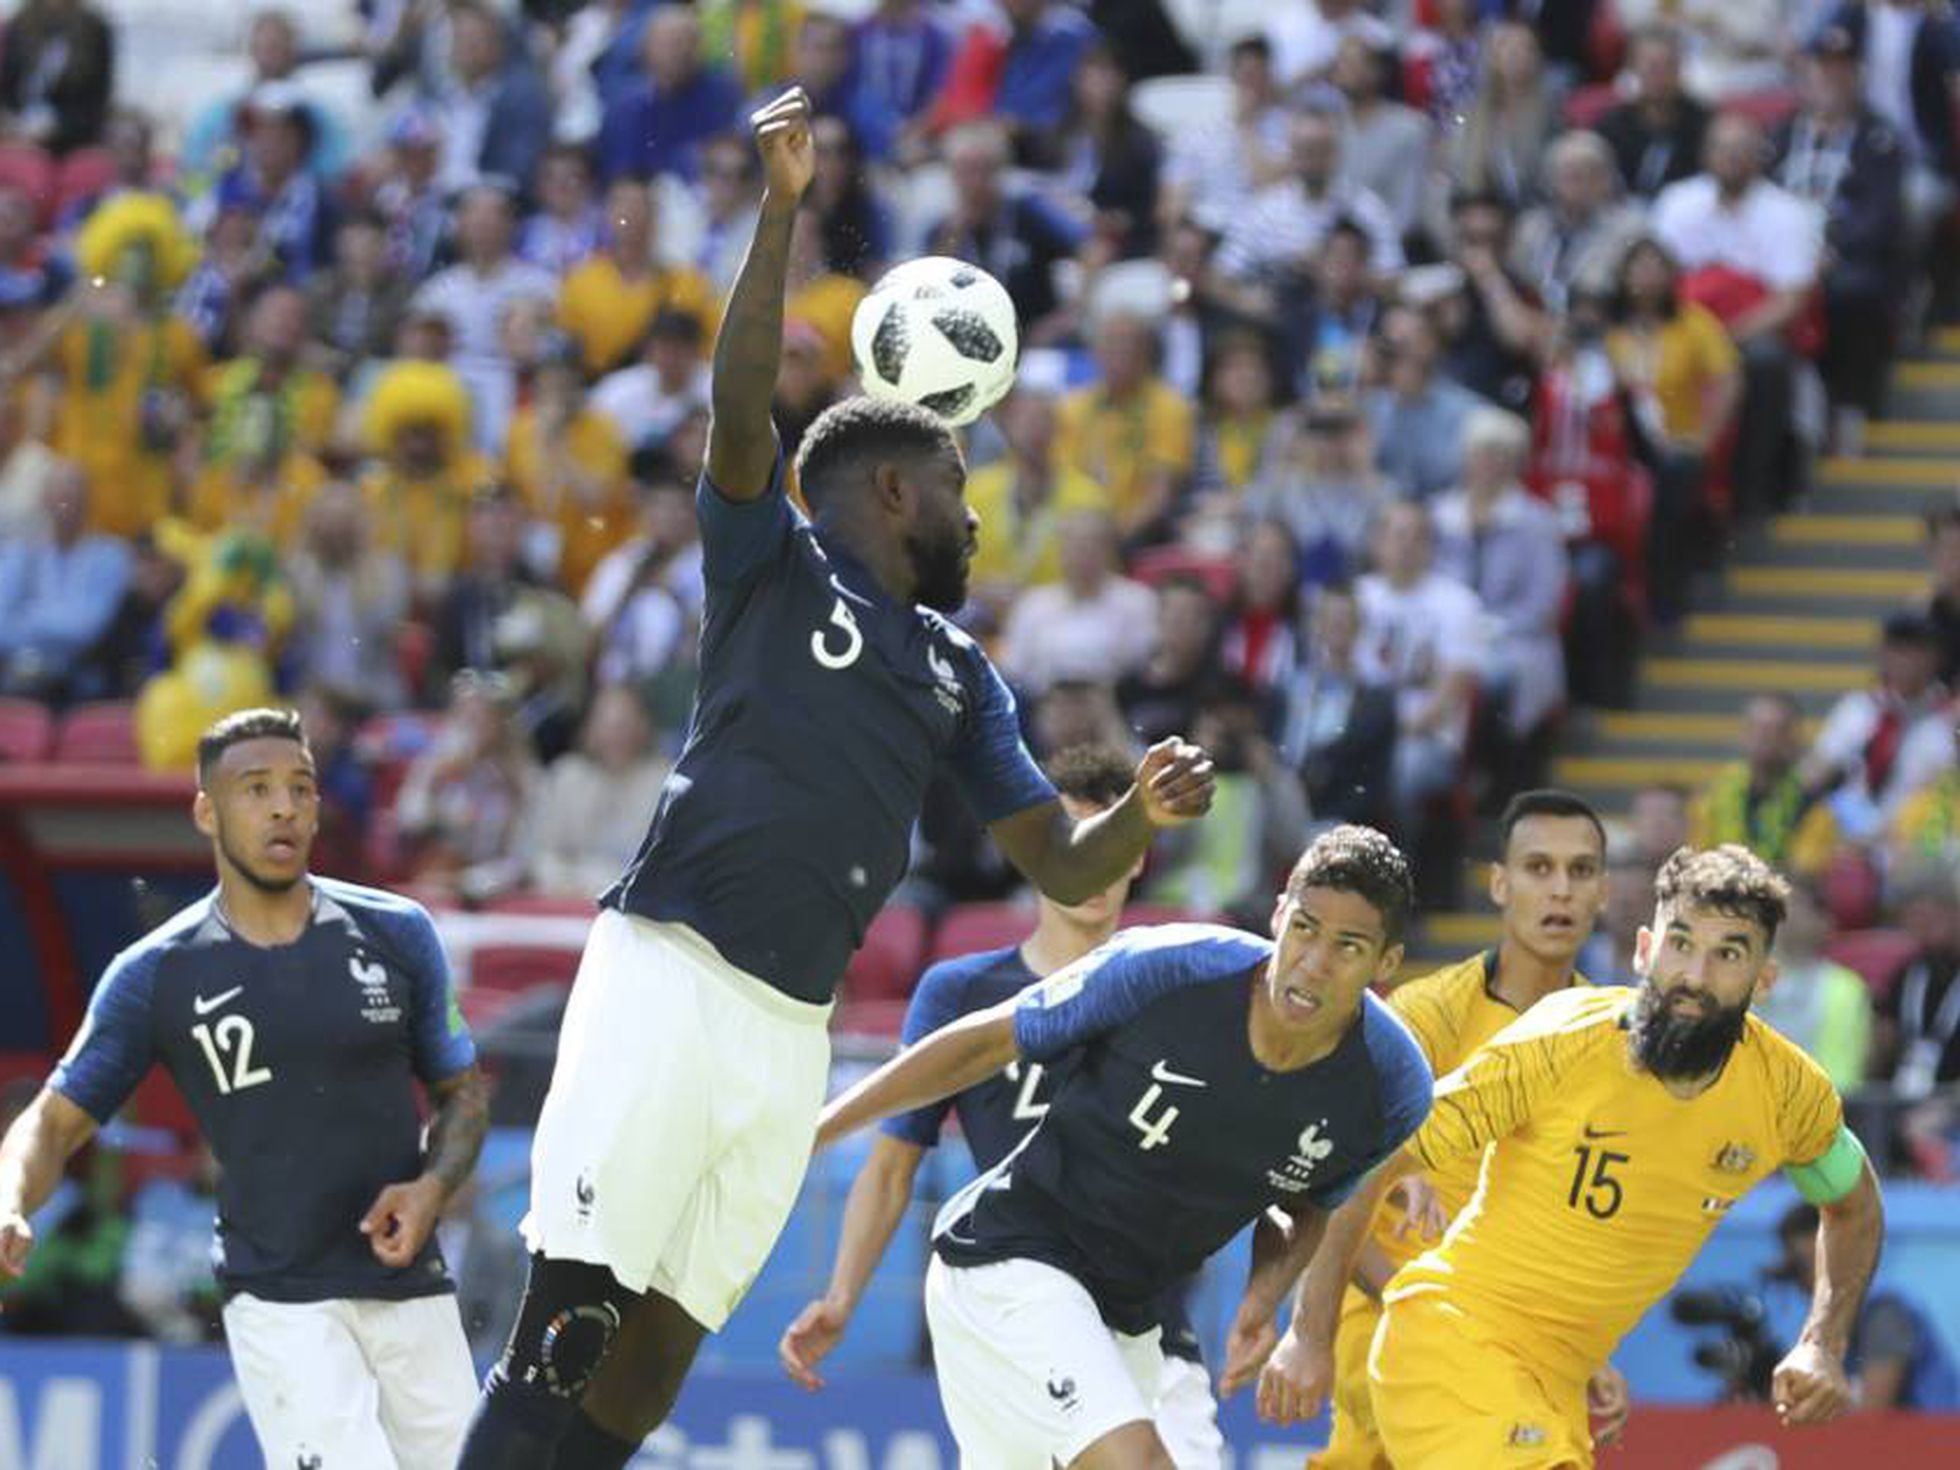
1350 946
1678 943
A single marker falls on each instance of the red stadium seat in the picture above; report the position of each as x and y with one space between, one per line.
1160 913
1876 954
26 730
544 905
515 968
28 169
103 733
30 1066
81 176
973 927
887 964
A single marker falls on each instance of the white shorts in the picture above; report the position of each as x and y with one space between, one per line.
1187 1415
353 1385
1030 1376
680 1117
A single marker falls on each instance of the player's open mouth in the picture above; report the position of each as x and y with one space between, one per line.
1682 1001
1561 922
282 847
1299 1002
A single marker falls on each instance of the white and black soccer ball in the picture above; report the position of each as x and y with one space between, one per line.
939 333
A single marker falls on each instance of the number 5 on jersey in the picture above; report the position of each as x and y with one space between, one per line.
843 657
229 1043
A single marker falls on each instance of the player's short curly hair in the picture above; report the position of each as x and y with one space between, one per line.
1361 861
1097 774
246 724
1729 879
849 437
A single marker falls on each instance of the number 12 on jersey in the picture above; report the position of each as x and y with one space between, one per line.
228 1048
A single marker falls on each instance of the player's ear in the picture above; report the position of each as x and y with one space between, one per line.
1643 951
1500 884
1279 908
888 487
1765 980
203 815
1390 964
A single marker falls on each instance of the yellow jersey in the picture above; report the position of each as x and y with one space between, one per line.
1451 1013
1602 1185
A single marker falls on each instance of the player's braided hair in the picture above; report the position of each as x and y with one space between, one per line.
1362 861
1097 774
1729 879
246 724
848 437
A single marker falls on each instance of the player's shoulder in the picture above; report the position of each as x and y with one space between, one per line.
1392 1047
136 964
1788 1072
969 981
1578 1013
389 916
1453 987
1198 951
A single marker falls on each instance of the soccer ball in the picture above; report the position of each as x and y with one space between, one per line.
939 333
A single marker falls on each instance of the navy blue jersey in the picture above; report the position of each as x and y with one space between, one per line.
299 1062
822 712
995 1115
1166 1136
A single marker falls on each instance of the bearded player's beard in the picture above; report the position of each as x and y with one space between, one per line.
939 569
1677 1046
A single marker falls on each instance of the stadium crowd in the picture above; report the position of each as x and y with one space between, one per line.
1391 376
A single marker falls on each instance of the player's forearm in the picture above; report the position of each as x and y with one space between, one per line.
1085 857
36 1149
1848 1239
950 1060
748 355
878 1199
1278 1258
1317 1305
456 1132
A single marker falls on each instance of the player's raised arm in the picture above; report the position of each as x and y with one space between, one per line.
1810 1385
878 1200
749 347
1072 861
32 1156
950 1060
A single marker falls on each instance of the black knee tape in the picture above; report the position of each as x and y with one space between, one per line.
572 1312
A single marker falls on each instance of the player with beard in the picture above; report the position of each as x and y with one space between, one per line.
694 1055
1621 1126
295 1014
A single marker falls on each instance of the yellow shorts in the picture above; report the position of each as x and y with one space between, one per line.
1356 1443
1454 1394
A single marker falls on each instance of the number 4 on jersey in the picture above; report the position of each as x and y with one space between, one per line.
1156 1131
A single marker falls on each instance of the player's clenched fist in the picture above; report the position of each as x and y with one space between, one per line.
1809 1386
1175 780
400 1219
782 136
16 1240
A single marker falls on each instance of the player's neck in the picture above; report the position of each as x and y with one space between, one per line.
887 562
261 918
1056 943
1523 979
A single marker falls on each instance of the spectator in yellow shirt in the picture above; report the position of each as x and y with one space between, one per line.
1760 802
609 302
1132 432
824 298
568 463
270 418
1022 500
130 371
417 427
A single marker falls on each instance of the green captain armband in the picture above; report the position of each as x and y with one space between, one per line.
1832 1174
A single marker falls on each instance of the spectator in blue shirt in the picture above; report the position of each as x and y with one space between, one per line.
1045 43
827 68
58 591
903 53
494 111
271 181
659 125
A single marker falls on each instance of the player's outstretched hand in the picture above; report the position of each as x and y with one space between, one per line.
16 1240
1176 780
400 1219
1248 1345
1296 1380
1609 1403
782 136
1422 1208
1809 1386
817 1329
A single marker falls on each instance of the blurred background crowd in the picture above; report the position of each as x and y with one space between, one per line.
1401 383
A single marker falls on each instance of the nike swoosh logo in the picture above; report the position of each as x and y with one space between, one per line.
1163 1073
1592 1132
204 1005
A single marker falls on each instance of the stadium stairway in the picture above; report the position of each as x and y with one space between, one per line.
1796 609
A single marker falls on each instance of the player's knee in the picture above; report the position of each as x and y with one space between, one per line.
635 1393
